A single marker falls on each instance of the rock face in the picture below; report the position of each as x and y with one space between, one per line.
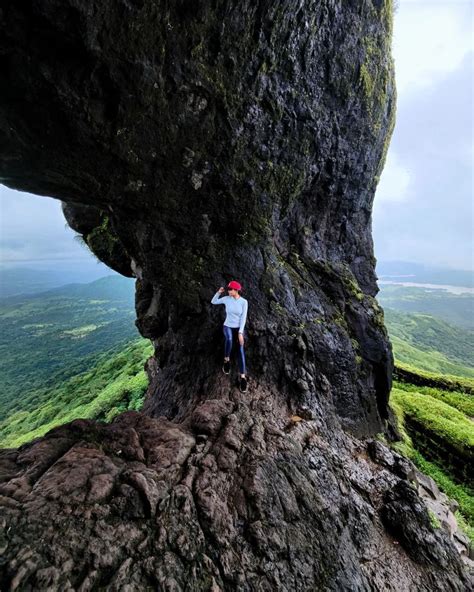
193 143
198 142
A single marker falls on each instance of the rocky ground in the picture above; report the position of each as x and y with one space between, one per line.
238 497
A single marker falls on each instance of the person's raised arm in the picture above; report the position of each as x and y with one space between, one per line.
243 317
216 299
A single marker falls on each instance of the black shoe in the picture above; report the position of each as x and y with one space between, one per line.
243 385
226 367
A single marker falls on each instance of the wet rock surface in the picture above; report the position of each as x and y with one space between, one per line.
193 143
237 498
197 142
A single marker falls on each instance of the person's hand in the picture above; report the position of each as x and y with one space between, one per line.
220 290
241 339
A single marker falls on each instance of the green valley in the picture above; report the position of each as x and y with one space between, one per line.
433 393
71 352
114 383
455 309
49 337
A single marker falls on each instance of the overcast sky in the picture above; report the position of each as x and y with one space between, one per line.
423 209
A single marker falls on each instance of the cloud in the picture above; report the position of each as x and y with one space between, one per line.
430 39
33 228
423 206
394 182
11 244
433 142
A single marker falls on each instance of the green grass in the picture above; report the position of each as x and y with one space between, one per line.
460 401
413 375
429 334
464 525
462 493
429 361
435 523
113 385
437 417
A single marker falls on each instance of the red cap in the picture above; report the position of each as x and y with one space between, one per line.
234 285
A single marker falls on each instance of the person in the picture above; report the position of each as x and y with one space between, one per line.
236 316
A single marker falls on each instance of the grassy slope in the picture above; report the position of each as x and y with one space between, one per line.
402 404
455 309
438 417
439 355
48 338
67 353
430 344
114 384
411 374
457 400
452 344
432 361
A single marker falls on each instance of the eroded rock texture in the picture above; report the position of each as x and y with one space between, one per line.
238 497
194 142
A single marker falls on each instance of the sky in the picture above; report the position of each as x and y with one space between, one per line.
34 234
423 209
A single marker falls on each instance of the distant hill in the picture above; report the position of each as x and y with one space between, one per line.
433 361
431 329
424 274
113 382
432 336
49 337
115 287
456 309
15 281
28 281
